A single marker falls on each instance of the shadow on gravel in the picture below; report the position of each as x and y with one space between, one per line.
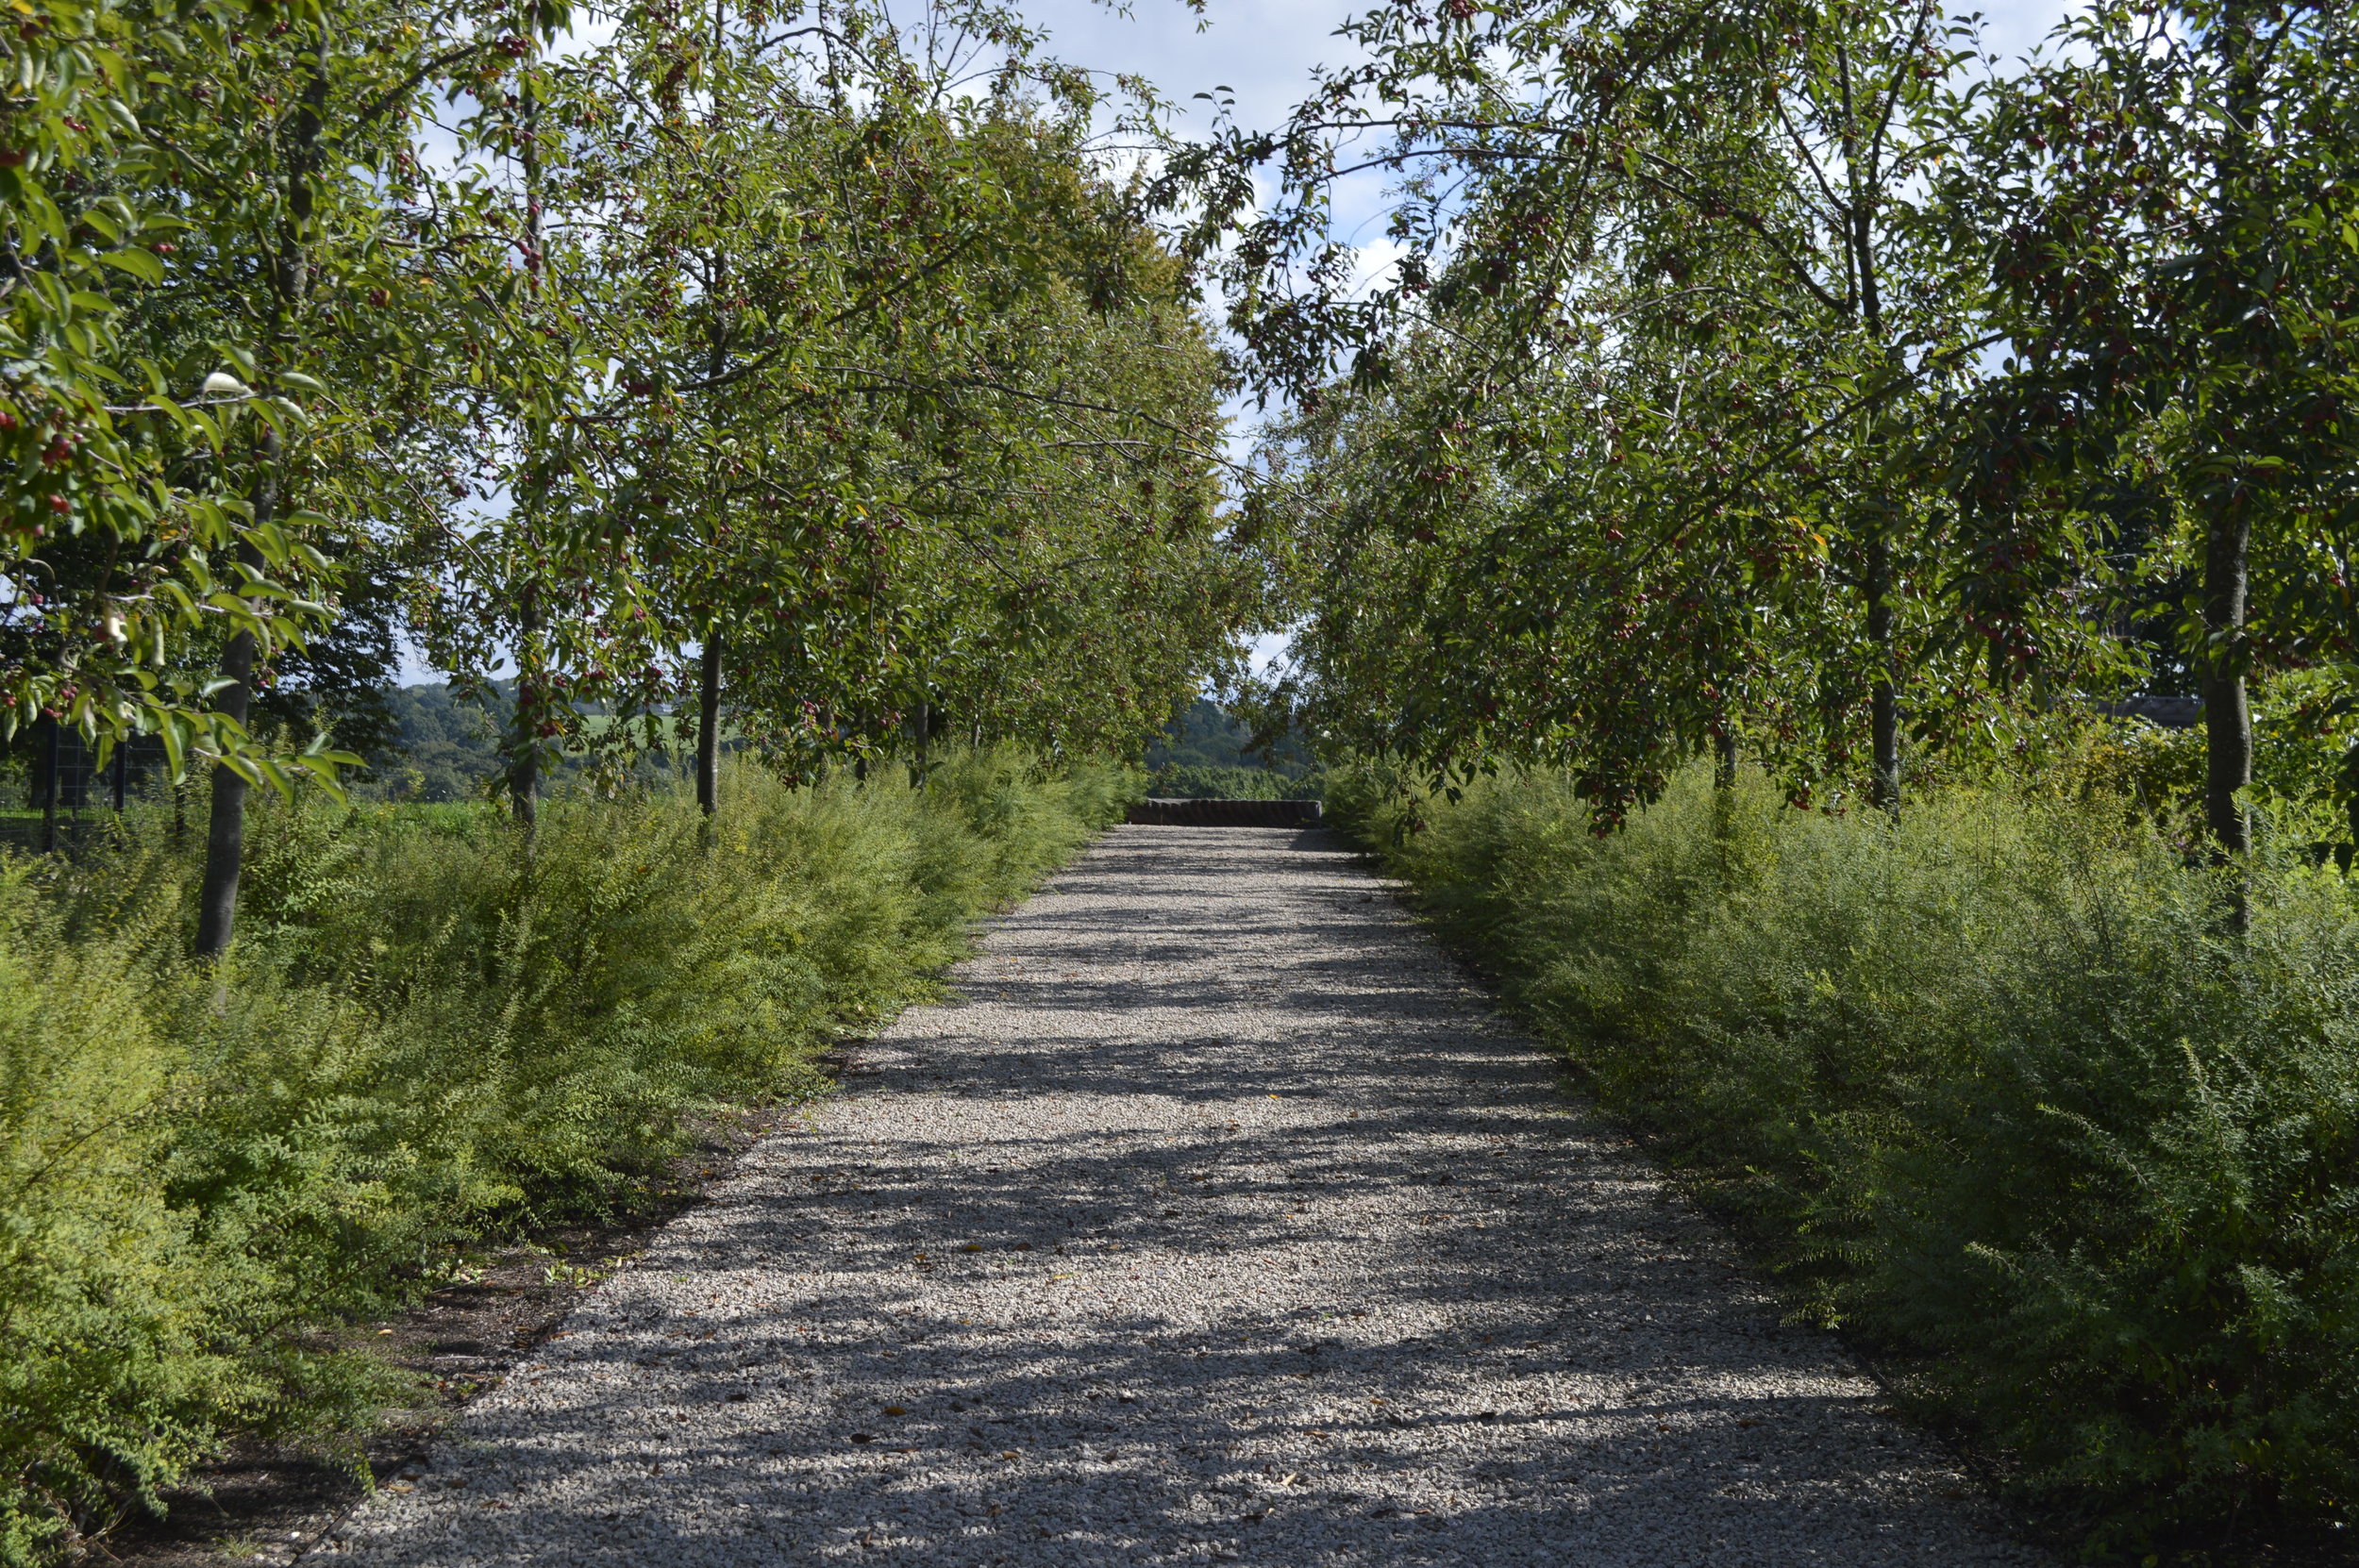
1371 1295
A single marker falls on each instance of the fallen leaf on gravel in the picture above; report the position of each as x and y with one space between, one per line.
895 1410
972 1246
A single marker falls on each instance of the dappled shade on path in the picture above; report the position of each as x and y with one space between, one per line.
1215 1220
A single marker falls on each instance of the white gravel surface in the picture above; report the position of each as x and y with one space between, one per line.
1217 1219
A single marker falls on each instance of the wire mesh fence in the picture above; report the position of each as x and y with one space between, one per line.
69 794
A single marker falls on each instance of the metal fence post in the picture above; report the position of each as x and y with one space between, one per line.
49 793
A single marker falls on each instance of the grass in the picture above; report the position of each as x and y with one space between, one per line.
430 1035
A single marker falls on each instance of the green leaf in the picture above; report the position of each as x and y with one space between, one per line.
139 263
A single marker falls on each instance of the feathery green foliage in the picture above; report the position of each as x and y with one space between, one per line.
1998 1087
1207 783
430 1035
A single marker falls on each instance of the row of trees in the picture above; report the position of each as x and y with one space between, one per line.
766 360
1790 372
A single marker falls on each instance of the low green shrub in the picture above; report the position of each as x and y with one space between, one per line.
1206 783
430 1035
1998 1089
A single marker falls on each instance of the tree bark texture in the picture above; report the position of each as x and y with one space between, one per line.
709 725
1884 789
50 743
2228 533
2226 711
524 734
225 831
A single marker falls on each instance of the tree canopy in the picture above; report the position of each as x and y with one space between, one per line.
800 364
1791 374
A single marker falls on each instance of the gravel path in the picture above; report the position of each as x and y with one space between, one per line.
1218 1221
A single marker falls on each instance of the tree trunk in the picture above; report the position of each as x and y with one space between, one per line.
49 787
524 732
2228 533
709 725
224 830
1724 805
524 752
2226 713
1864 188
1883 787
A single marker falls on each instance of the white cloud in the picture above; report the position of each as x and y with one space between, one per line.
1262 52
2012 28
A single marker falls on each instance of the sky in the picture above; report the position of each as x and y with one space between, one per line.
1264 49
1264 52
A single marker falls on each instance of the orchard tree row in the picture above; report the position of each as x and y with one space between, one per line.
772 365
1791 375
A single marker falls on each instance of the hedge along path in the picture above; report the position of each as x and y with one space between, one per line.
1215 1220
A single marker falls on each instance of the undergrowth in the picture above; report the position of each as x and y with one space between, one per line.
430 1035
1998 1090
1194 782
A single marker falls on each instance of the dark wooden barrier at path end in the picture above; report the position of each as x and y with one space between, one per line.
1224 813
